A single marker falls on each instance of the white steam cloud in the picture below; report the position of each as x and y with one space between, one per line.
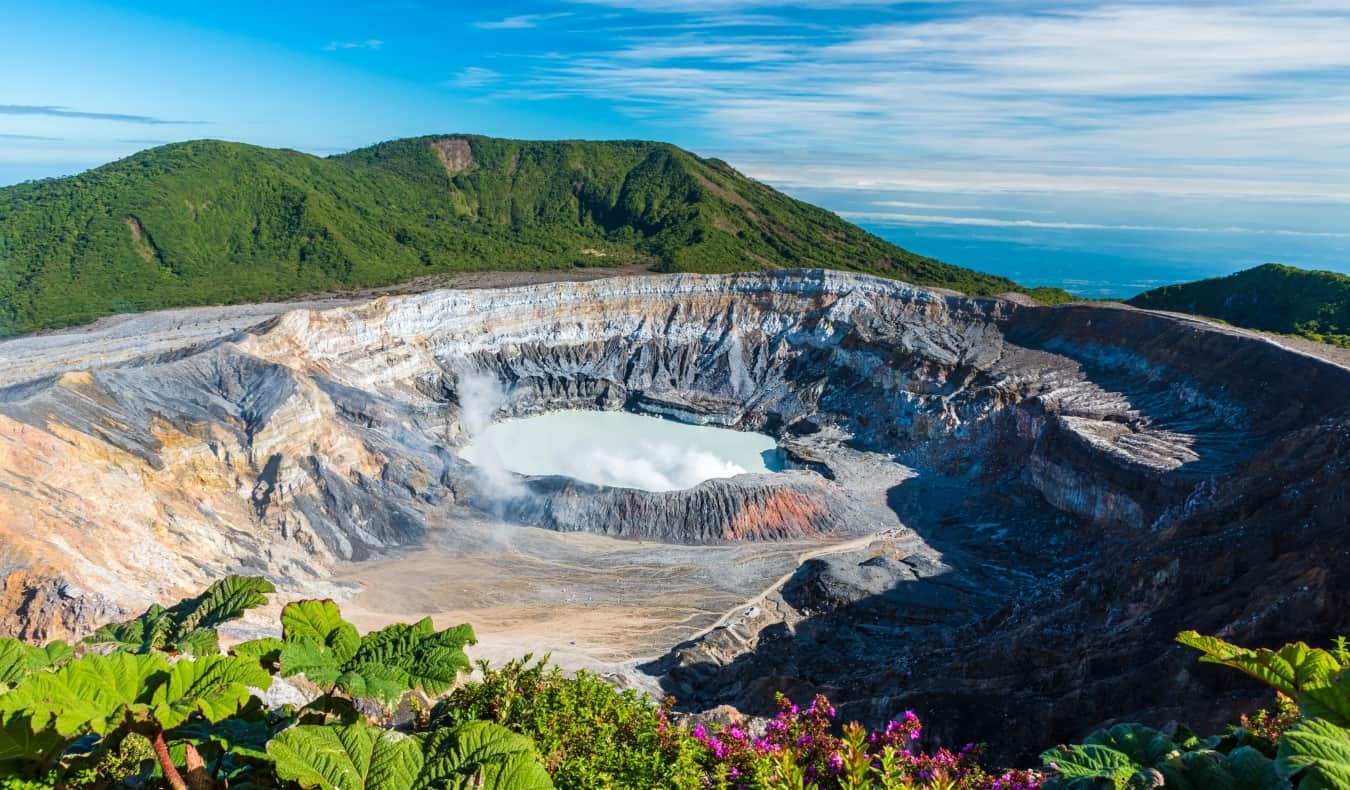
650 466
618 449
480 398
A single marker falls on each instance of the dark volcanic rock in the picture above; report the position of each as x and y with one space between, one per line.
786 506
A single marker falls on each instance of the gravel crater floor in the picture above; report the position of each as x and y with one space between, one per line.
589 601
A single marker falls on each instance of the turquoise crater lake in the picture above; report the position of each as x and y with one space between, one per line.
616 448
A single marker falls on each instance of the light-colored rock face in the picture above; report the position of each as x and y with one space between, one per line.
325 436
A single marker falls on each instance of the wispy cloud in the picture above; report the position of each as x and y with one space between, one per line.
1178 97
929 206
998 222
474 77
519 22
30 137
370 43
684 6
66 112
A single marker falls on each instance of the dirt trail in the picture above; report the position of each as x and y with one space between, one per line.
823 551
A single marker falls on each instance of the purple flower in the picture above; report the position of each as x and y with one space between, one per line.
836 763
700 732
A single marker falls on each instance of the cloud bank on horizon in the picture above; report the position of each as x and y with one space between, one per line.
1106 106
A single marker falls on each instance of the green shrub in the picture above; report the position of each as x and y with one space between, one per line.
589 734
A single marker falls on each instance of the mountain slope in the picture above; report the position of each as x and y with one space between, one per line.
209 222
1276 298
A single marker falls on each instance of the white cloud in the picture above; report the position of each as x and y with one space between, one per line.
929 206
519 22
370 43
686 6
474 77
997 222
1183 98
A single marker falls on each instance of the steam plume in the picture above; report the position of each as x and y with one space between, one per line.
480 398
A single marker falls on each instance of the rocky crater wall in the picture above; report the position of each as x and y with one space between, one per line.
1047 451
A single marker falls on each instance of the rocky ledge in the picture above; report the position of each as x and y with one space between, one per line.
1091 479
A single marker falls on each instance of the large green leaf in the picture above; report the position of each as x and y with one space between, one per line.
1088 765
1252 770
18 660
1330 701
311 659
1145 746
1317 753
401 657
21 742
382 665
482 755
1288 670
241 736
266 651
188 626
375 681
213 686
320 622
223 601
90 694
347 758
1206 769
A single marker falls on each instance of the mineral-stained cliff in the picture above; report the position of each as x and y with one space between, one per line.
1090 479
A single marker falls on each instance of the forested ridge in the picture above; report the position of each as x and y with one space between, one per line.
210 222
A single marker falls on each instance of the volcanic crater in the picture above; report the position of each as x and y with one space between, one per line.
995 510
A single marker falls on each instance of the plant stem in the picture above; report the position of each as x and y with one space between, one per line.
171 775
197 777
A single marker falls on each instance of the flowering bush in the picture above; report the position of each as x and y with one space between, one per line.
1271 725
798 749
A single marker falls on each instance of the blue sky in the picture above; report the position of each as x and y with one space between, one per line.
1106 145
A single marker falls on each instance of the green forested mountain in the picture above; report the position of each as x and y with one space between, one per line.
210 222
1313 304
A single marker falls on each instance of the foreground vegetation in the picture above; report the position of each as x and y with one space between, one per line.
1276 298
212 222
154 702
